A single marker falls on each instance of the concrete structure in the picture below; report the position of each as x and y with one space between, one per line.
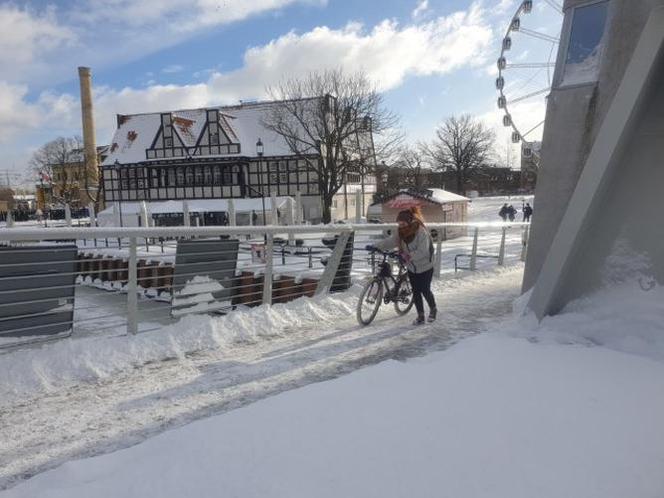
598 196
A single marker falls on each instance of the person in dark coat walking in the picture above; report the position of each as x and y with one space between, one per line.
511 212
503 212
527 212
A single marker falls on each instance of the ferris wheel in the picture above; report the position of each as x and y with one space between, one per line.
524 80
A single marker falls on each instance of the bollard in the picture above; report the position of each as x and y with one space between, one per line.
267 280
473 255
501 252
439 258
132 288
524 242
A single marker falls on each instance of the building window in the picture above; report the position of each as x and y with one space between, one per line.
227 176
586 41
198 172
168 142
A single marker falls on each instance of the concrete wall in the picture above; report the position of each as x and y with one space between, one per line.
574 116
625 223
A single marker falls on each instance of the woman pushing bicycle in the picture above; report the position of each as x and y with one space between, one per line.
416 248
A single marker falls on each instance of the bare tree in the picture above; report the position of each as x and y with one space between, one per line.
412 165
462 145
60 163
330 118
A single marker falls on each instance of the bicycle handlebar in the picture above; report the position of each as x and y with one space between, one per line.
389 254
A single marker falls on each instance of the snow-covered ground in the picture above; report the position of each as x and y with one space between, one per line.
518 411
237 406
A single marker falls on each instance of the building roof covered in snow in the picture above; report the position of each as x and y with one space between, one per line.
405 197
217 132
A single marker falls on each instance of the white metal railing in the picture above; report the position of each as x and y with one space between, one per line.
140 262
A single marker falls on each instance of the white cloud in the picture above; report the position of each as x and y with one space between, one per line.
173 68
388 53
25 37
15 114
505 6
178 15
422 7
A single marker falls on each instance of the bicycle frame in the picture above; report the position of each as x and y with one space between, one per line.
384 277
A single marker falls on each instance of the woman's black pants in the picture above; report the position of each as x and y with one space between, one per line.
421 284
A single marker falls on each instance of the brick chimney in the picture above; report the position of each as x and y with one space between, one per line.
89 139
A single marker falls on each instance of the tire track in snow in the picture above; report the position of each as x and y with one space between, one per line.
92 419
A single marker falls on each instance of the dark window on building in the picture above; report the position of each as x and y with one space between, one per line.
227 177
585 44
198 175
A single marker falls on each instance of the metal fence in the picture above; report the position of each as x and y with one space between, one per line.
59 281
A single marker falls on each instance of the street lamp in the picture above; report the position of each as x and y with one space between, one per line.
259 152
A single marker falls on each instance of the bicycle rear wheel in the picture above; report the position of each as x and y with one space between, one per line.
370 300
403 301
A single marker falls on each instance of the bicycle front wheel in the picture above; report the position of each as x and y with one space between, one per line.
370 300
404 297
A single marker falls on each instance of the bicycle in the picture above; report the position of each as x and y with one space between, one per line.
385 288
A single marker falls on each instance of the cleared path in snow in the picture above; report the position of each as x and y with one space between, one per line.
94 418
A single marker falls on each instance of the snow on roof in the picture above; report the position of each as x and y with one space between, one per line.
441 196
435 195
200 206
134 135
242 123
189 125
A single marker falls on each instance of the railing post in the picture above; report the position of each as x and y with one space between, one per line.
501 252
132 289
311 259
269 261
327 278
524 242
473 255
439 256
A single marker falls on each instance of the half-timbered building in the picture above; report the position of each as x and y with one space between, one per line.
214 153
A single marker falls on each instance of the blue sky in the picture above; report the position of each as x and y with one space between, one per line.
431 58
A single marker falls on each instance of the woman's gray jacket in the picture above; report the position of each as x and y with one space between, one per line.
418 254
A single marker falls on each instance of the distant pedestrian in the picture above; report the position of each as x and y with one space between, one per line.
511 212
254 217
503 212
527 212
